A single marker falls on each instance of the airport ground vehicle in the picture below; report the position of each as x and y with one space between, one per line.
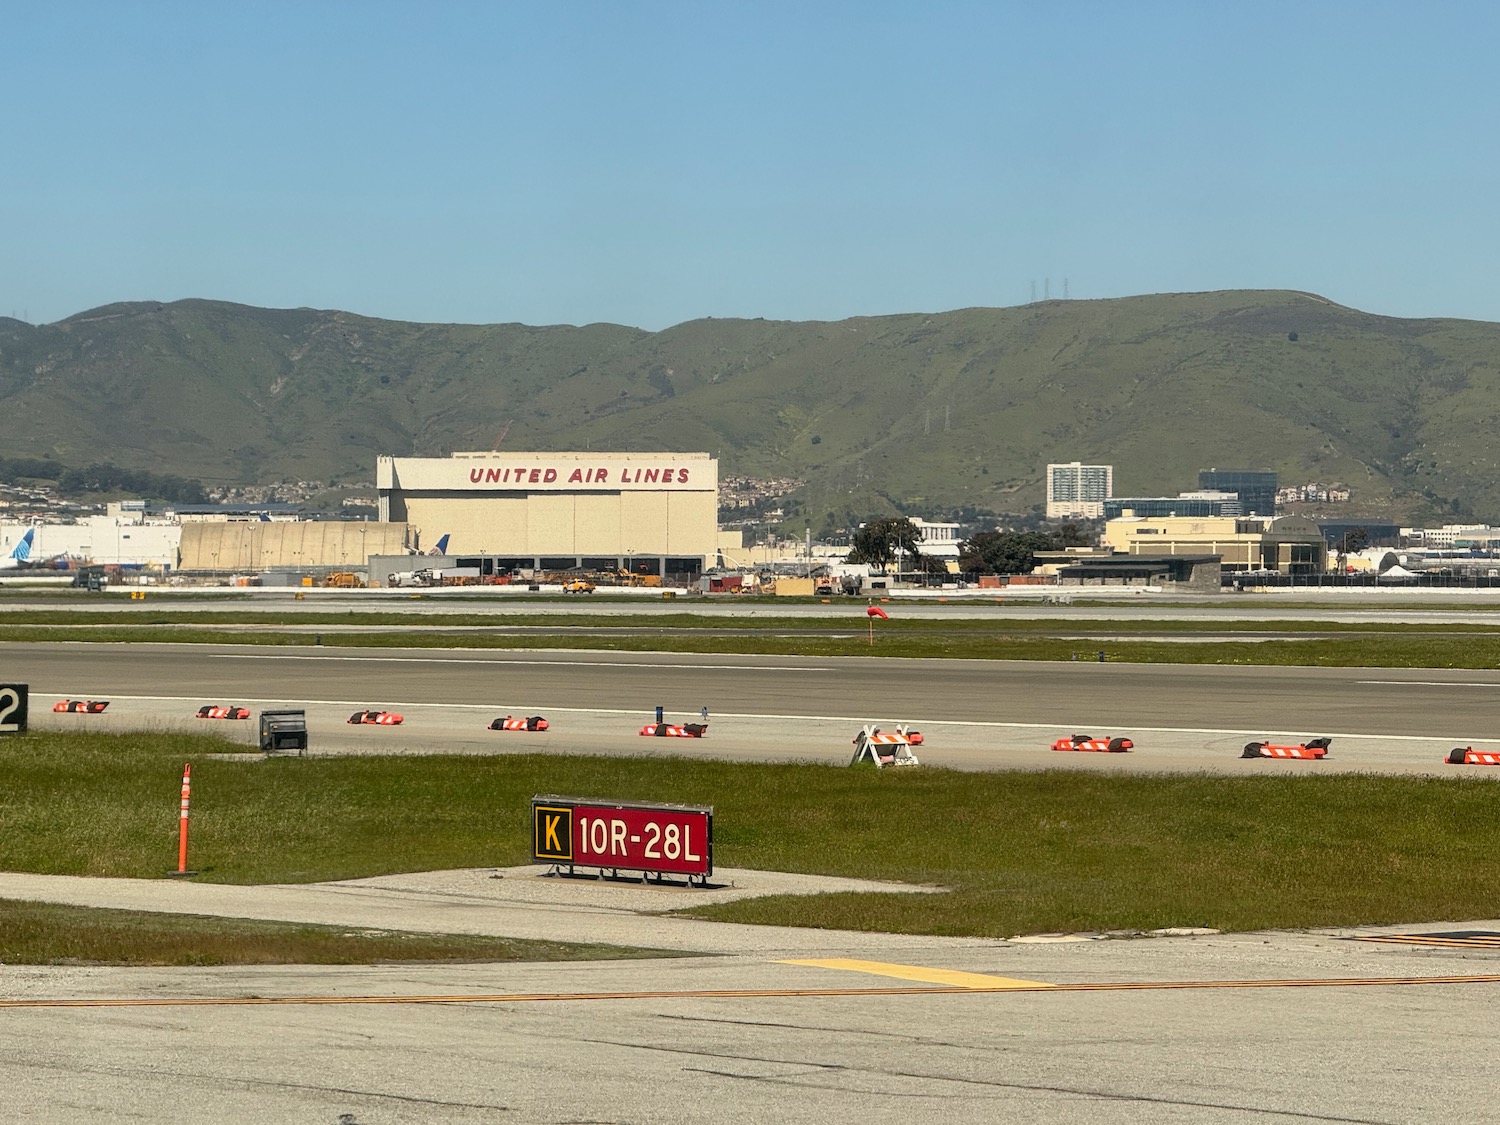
626 578
1311 749
420 577
1089 743
343 580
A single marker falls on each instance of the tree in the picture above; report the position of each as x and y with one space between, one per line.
1351 542
1071 535
1355 539
926 564
882 542
1003 552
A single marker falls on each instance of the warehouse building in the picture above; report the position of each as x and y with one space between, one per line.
1289 544
651 513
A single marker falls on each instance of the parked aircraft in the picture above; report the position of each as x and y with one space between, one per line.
21 558
18 568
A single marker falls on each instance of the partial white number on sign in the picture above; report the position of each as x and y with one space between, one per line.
12 709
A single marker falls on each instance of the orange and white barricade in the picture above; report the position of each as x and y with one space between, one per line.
1092 745
884 748
675 730
375 718
1312 749
81 706
1468 756
230 712
531 722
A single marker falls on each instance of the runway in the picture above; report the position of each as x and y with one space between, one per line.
974 714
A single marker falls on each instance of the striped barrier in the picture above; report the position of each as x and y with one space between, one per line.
81 706
1090 744
376 718
1468 756
1313 749
885 748
531 722
675 730
231 712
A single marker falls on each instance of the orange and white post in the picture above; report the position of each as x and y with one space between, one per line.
182 822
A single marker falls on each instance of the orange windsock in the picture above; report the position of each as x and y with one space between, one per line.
876 611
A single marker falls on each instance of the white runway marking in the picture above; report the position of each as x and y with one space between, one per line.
858 720
545 663
1425 683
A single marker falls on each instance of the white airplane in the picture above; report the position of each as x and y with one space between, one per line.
21 558
19 568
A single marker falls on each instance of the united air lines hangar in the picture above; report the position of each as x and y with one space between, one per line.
653 513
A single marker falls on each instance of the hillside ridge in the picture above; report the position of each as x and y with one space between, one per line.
921 412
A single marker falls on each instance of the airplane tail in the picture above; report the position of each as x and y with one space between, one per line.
441 547
21 552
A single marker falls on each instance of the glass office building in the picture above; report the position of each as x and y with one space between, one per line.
1255 488
1156 507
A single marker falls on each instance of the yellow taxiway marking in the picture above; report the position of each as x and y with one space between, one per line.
737 993
919 972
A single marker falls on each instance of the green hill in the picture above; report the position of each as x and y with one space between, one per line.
920 411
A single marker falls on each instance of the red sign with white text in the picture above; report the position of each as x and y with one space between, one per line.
671 839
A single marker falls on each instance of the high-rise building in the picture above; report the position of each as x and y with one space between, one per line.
1255 488
1078 490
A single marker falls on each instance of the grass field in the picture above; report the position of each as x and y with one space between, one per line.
1284 642
37 933
764 618
1023 852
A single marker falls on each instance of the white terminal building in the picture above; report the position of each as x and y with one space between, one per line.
1078 491
651 513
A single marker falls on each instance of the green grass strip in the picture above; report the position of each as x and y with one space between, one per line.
39 933
1024 852
766 623
1424 650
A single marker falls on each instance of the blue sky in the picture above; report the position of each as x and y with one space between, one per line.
648 163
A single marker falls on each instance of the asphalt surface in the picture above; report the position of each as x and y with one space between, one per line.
1263 1028
782 1025
974 714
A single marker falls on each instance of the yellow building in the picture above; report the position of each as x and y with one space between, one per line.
655 512
1288 544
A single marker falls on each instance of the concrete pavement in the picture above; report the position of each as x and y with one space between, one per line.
663 1041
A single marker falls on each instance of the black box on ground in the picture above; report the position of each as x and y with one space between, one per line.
283 731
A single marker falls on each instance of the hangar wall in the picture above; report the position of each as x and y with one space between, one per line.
556 504
242 545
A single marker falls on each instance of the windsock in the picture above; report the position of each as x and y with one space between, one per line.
876 611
